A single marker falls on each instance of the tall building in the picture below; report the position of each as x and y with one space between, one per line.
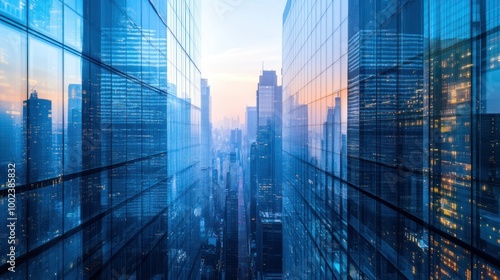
462 109
73 139
394 180
268 156
252 213
236 142
251 124
37 130
249 173
269 143
231 236
206 161
269 256
206 125
109 186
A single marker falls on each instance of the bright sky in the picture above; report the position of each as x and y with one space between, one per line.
238 36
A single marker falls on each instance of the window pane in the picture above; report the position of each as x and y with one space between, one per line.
14 9
12 94
45 209
73 113
73 25
46 16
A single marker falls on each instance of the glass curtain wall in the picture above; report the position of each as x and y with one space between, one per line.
97 99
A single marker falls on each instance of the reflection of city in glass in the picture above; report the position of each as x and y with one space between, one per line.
373 153
85 115
401 95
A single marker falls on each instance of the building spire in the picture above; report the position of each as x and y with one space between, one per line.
33 92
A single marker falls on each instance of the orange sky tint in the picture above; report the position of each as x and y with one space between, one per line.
238 37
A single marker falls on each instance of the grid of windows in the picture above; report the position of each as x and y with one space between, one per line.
390 139
314 132
105 140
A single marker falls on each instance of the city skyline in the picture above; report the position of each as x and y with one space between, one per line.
240 39
260 140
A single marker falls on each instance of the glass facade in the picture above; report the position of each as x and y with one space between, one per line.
315 76
269 143
268 175
463 109
100 113
390 139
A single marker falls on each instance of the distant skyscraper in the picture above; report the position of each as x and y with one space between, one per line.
251 124
37 120
73 159
252 214
231 236
269 143
236 142
249 171
206 163
268 158
206 125
233 179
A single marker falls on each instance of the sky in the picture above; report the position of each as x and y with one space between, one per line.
239 37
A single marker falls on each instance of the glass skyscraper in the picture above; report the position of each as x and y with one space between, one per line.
268 176
390 139
100 113
269 126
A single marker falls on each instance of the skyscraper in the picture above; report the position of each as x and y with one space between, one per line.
251 124
268 158
231 236
463 109
206 125
109 187
73 158
236 142
403 105
37 128
269 143
206 163
270 254
249 174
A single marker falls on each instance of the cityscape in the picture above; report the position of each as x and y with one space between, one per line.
261 140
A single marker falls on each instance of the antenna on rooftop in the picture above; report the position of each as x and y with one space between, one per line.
33 88
33 93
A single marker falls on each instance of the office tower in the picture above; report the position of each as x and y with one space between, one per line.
251 124
269 256
384 139
249 174
110 188
206 153
37 130
463 108
73 140
405 187
268 154
233 174
252 214
269 143
206 125
231 236
236 142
